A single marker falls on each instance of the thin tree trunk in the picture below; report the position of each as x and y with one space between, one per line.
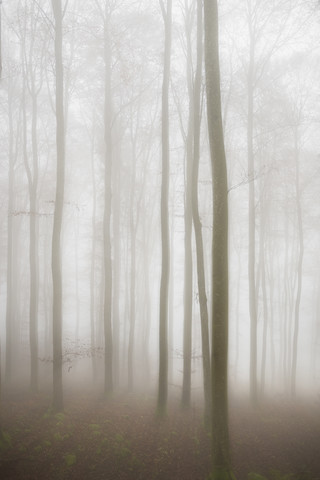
252 235
92 264
171 305
116 268
188 270
196 219
9 296
108 344
265 314
132 278
34 268
32 176
299 272
165 241
57 400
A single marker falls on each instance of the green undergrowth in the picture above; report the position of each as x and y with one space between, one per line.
70 459
222 474
5 441
276 475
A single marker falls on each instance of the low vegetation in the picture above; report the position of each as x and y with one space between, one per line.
123 440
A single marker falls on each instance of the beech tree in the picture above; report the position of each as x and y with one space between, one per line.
204 317
165 242
57 401
188 270
108 345
32 84
220 316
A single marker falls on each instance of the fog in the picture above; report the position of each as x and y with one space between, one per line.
87 140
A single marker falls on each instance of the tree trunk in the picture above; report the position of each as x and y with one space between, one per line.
9 297
188 270
132 277
196 219
219 426
57 401
34 269
93 263
252 228
108 344
165 242
116 267
299 270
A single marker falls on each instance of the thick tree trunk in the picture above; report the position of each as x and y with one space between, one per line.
165 242
219 425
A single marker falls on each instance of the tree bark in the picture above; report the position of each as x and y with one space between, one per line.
252 228
299 269
93 262
188 270
165 242
133 230
219 426
57 401
108 344
9 296
197 221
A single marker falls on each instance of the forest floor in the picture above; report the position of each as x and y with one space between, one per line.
123 440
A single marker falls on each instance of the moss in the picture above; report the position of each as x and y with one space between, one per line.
59 417
70 459
94 426
58 437
222 474
5 441
256 476
119 438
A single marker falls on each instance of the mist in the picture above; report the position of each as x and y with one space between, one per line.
159 275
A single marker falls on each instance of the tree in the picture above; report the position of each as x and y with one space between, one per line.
188 270
10 274
57 401
300 260
219 360
32 82
108 345
196 216
251 208
165 263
